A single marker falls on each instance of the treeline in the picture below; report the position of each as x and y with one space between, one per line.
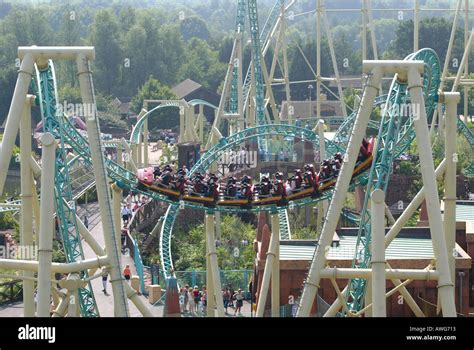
173 41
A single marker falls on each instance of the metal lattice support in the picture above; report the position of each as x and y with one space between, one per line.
234 88
265 37
285 231
257 65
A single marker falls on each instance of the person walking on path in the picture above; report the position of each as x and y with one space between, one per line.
105 276
86 222
127 273
239 300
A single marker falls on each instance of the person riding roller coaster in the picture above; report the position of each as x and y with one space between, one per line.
264 187
364 151
278 185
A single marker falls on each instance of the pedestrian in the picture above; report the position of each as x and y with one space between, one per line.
239 297
127 273
105 276
226 298
192 304
197 297
86 222
124 213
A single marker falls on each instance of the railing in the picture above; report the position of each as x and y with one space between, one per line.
10 291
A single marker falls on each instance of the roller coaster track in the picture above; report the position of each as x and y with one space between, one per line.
469 135
64 199
263 43
396 133
13 205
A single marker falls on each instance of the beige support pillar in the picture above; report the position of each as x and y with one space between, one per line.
322 205
379 308
451 99
62 307
445 283
14 116
103 193
272 255
214 267
45 250
72 284
117 201
26 223
276 267
36 212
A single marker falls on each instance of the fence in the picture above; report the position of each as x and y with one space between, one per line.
11 291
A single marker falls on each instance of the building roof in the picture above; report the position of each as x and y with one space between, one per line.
465 211
400 248
186 87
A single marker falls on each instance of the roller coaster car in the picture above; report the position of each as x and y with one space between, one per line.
208 196
145 179
265 193
231 197
276 196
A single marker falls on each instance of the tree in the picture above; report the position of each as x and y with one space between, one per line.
109 56
194 27
234 249
202 65
151 90
69 35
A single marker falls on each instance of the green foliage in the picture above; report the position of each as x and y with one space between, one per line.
194 27
413 221
202 65
8 222
151 90
298 228
58 252
232 254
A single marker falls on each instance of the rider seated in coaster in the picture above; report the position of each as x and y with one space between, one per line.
183 171
157 180
246 191
212 184
298 179
264 187
310 168
278 185
166 178
230 190
231 180
337 162
364 151
309 180
156 171
168 168
325 172
246 180
180 184
198 186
